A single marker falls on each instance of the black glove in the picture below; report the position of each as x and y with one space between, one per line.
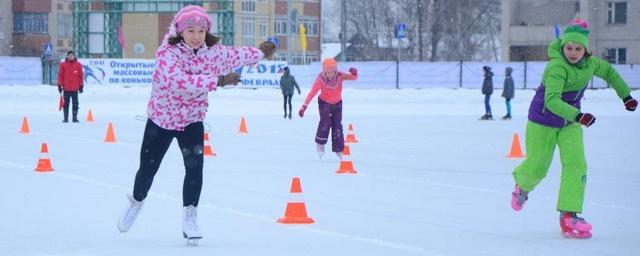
268 48
59 89
232 78
630 103
81 87
586 119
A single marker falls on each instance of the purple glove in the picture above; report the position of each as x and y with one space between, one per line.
353 71
586 119
630 103
301 111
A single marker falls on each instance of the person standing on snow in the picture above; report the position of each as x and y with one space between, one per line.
287 83
487 90
555 118
329 83
70 83
189 64
508 92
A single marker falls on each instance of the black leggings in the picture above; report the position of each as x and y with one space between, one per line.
287 100
155 143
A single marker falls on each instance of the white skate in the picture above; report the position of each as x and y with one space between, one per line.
190 229
130 214
320 150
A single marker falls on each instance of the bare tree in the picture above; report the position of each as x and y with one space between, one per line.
448 30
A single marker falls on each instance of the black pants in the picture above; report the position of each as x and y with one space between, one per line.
73 96
287 100
155 144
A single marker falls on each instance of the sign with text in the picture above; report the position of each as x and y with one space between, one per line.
262 75
125 72
135 72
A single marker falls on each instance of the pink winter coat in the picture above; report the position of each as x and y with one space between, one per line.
182 80
330 90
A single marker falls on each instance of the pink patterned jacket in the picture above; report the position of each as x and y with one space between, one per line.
183 78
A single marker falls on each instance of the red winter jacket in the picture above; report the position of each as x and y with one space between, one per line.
70 76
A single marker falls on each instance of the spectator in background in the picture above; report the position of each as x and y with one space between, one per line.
70 82
487 90
287 83
508 92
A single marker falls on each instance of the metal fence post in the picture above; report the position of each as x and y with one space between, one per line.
460 77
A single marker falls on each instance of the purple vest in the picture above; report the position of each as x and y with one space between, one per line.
539 114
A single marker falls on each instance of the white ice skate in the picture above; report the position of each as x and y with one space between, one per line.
129 215
320 150
190 229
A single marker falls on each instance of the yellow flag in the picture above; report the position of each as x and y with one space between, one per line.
303 37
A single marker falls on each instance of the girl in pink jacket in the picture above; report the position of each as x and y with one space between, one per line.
189 64
329 83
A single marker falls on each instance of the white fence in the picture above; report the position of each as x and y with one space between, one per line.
20 71
372 75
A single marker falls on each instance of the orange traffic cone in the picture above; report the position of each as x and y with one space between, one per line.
351 137
296 212
25 126
110 137
89 116
208 150
44 163
243 126
346 165
516 152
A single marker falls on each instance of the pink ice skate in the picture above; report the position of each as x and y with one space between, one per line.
518 198
573 226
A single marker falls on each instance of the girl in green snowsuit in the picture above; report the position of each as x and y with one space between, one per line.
555 119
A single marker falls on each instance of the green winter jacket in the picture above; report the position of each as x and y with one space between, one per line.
287 82
560 77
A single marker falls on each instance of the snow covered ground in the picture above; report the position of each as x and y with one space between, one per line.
432 179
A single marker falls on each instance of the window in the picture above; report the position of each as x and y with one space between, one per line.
617 12
248 31
64 25
30 22
214 23
263 30
280 27
616 55
96 33
311 27
248 5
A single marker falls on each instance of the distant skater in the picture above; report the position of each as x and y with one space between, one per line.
329 83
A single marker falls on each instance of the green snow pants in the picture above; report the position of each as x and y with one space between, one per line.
540 144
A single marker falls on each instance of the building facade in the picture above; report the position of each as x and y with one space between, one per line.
529 25
134 28
259 20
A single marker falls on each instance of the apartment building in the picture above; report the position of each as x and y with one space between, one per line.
529 25
134 28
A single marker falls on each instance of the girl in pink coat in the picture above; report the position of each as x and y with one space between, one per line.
329 84
189 64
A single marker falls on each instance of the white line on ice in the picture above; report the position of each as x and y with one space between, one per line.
268 219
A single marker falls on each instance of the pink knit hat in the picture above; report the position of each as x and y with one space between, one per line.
188 16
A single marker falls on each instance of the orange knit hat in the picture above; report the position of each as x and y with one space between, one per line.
329 65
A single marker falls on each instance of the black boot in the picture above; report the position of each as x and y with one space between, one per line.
66 116
75 116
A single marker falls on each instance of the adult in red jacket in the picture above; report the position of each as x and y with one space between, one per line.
70 81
